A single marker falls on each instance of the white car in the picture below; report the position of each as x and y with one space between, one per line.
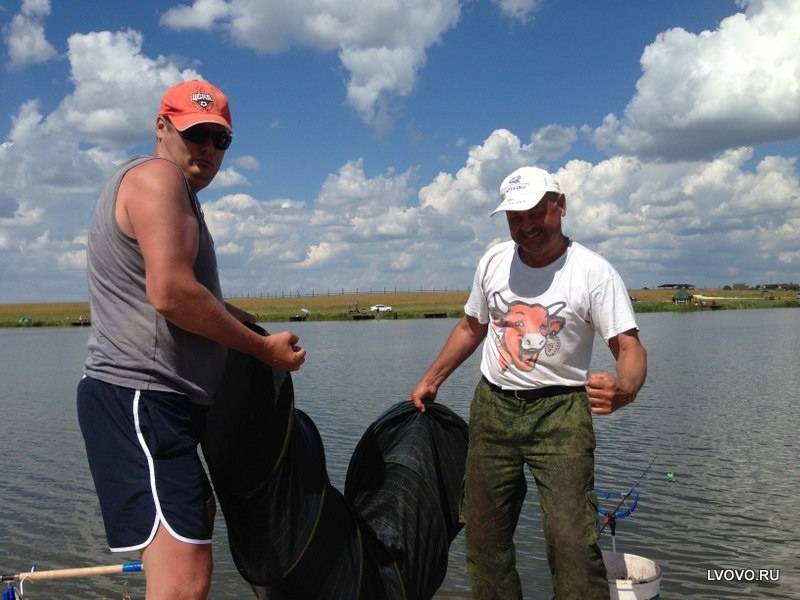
380 308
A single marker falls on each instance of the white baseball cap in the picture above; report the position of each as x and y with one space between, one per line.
524 188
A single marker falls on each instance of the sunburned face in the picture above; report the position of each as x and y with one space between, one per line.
199 161
537 231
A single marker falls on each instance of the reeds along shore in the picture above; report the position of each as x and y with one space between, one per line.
405 305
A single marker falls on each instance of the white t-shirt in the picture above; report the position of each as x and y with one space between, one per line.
542 321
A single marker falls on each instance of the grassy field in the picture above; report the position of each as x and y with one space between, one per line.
58 314
405 305
658 300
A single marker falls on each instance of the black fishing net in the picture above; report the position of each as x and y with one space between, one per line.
292 534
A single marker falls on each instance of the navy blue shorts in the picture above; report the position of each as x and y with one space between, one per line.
142 450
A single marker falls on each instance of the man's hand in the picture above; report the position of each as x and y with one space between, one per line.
424 392
281 351
606 394
467 335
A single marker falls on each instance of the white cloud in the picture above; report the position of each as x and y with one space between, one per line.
115 97
405 261
285 257
350 192
319 255
520 10
113 106
352 231
474 186
247 162
203 14
553 141
648 217
25 36
228 177
241 218
398 223
690 218
53 165
24 216
72 259
117 88
703 93
382 43
229 249
685 217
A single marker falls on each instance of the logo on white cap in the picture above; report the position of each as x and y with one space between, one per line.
523 188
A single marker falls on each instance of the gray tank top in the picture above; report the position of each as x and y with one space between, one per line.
131 344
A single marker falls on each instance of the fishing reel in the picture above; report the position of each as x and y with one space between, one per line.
627 504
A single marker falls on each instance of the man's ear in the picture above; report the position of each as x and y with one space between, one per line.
160 127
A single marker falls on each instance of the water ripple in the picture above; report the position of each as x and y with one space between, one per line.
722 423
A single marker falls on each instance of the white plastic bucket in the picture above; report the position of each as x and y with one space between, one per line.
632 577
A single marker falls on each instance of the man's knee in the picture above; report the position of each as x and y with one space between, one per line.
177 570
493 575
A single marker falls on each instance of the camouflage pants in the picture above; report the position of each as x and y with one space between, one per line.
554 437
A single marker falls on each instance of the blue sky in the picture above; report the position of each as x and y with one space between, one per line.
370 137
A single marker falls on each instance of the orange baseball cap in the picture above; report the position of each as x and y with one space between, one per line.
192 102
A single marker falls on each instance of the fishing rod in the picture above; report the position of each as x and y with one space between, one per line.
129 567
610 518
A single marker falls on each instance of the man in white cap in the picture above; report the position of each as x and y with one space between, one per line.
157 351
536 303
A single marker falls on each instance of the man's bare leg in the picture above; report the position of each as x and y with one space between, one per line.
176 570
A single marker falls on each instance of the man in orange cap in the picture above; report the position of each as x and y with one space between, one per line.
160 334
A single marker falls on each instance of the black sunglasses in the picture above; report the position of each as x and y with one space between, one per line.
200 135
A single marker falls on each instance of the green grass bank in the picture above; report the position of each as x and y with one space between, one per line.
405 305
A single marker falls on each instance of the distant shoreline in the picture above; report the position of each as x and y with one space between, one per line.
405 305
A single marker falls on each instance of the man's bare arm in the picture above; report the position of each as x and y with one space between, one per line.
154 204
465 337
240 314
608 392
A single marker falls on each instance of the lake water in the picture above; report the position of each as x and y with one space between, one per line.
719 411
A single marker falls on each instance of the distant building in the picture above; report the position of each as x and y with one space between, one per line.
782 286
682 297
677 286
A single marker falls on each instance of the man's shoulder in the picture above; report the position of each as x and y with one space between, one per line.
154 167
494 257
590 266
582 255
152 174
498 250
